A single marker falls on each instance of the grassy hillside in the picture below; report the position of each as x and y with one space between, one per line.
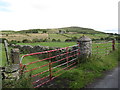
54 30
55 33
80 30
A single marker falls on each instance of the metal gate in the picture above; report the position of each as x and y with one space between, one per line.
52 64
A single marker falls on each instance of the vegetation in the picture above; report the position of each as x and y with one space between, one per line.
79 77
62 37
51 44
64 34
85 73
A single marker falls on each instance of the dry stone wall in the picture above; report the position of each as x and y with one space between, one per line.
32 49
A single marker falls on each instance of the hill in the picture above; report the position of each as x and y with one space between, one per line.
81 30
62 30
55 34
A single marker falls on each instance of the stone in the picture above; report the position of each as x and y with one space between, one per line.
85 44
15 56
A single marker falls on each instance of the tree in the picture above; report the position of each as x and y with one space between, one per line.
60 31
44 31
53 40
67 31
68 40
101 38
26 41
45 40
74 38
13 42
58 40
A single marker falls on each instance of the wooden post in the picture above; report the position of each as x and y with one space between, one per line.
67 56
113 45
6 51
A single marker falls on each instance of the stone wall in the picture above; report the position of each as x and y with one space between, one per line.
25 49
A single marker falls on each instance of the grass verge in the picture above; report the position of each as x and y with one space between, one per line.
85 73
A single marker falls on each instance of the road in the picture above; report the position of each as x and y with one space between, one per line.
110 80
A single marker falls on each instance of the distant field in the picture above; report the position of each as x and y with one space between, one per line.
95 36
51 44
57 36
20 37
48 36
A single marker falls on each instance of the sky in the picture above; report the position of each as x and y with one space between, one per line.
101 15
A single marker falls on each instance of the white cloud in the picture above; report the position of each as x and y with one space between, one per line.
26 14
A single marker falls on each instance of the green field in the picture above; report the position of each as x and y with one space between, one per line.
95 36
51 44
102 48
57 36
2 56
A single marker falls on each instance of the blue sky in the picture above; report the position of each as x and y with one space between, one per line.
101 15
2 3
4 6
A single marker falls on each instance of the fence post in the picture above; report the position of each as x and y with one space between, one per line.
15 56
67 56
97 49
13 69
85 44
50 65
113 45
6 51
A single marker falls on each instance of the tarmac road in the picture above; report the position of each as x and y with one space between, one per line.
109 81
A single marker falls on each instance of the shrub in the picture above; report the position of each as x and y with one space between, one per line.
74 38
19 41
68 40
26 41
53 40
13 42
58 40
45 40
44 31
35 40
